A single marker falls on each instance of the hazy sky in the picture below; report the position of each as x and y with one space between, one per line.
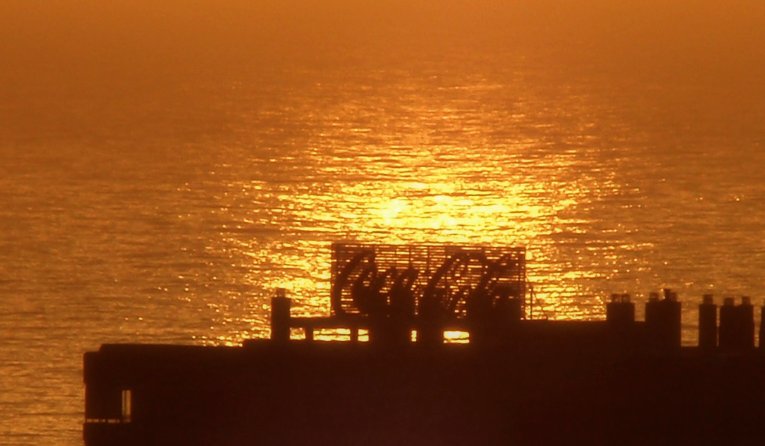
88 34
55 52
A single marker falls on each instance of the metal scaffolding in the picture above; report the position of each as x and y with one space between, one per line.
447 273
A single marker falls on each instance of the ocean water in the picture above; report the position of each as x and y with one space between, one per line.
162 171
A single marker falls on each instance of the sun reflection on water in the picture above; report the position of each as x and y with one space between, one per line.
429 197
466 160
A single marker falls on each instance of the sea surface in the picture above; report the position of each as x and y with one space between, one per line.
164 170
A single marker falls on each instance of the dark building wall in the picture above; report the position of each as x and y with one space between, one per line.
344 394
